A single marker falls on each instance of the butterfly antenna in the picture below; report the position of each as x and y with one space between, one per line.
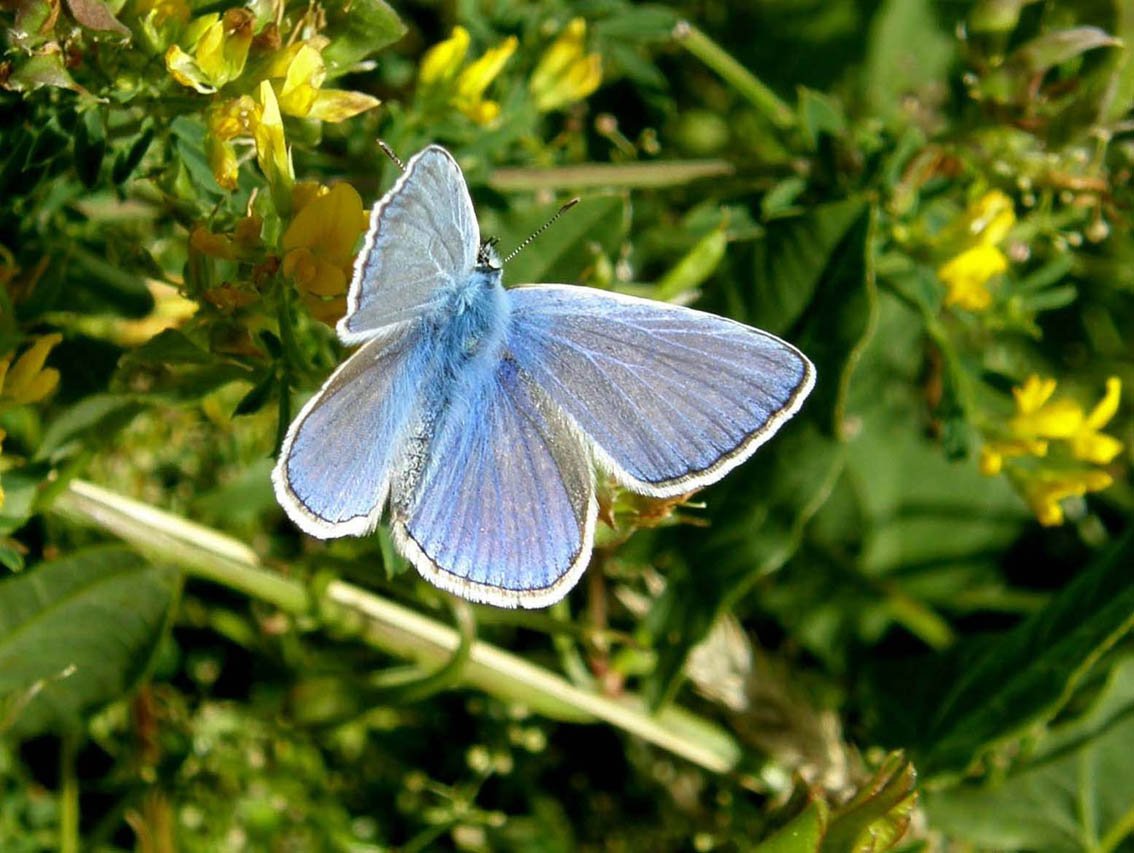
390 153
540 230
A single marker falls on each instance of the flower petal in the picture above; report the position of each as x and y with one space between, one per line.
442 61
337 105
1107 408
478 75
1033 393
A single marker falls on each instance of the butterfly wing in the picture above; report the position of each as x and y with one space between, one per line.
333 471
422 241
672 398
505 510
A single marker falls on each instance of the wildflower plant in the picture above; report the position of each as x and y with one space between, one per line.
904 623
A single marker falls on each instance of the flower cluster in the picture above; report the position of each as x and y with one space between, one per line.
286 80
445 79
565 73
1038 422
978 233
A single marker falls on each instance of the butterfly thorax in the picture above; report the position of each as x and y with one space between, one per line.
467 341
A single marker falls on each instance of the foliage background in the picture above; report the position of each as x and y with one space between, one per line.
931 199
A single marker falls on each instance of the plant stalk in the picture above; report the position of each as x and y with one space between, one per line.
397 630
740 78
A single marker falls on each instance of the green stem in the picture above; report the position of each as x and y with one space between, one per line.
394 629
68 794
582 176
735 74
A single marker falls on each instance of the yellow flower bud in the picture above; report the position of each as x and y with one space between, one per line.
28 381
271 147
442 61
335 105
474 80
564 74
221 157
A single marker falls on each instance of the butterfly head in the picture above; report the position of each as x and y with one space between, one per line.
487 258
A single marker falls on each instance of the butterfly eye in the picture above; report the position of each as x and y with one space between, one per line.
486 255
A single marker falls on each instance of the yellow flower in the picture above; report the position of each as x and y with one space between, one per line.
444 81
271 148
441 62
28 381
319 246
1087 442
301 72
1038 418
1044 491
564 73
975 236
967 275
220 51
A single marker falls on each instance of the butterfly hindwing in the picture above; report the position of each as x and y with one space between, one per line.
505 510
672 398
335 465
421 245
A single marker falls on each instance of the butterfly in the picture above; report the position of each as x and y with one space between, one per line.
476 416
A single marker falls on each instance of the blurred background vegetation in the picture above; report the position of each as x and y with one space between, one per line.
903 625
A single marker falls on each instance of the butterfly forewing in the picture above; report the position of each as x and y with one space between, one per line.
421 245
334 468
672 398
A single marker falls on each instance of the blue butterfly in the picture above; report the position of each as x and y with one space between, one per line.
476 415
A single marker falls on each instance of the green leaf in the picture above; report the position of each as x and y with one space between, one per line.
106 286
877 817
127 161
90 148
11 557
96 15
106 413
35 22
1011 81
803 834
358 29
101 611
1072 794
873 821
171 346
908 53
21 488
791 262
258 397
954 707
43 69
